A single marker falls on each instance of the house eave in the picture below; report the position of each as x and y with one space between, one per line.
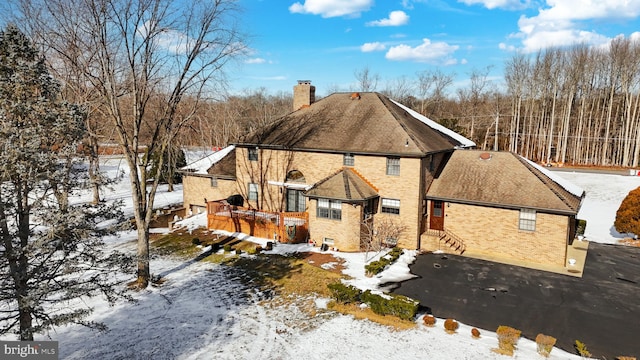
339 151
505 206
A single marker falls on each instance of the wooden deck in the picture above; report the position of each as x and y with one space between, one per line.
286 227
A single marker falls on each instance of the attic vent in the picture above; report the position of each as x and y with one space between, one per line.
485 156
355 96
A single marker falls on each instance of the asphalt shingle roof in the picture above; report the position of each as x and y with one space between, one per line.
369 123
345 185
501 179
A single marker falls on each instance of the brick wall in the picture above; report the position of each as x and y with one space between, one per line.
273 165
495 232
196 188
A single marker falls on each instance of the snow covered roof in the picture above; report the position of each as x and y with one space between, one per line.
202 165
434 125
565 184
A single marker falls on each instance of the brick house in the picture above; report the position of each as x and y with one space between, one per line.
352 161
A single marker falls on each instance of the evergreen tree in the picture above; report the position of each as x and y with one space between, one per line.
50 248
628 215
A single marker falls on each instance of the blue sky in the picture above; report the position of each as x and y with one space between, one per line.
327 41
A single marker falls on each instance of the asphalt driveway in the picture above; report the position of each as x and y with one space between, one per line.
601 309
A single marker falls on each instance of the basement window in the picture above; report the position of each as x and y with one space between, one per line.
527 220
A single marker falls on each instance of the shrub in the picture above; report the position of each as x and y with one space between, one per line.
507 339
227 248
581 226
255 250
628 215
475 333
545 344
196 241
625 358
451 325
238 251
344 294
429 320
581 348
378 266
391 304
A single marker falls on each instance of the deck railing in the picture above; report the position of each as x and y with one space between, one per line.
289 227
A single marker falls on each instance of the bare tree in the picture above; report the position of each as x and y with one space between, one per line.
432 86
142 58
378 232
366 80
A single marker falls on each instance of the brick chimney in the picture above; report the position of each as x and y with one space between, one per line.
304 94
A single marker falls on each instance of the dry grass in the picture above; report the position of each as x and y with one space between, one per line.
630 242
180 243
366 313
291 280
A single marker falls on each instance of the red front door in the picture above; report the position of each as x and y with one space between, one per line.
436 221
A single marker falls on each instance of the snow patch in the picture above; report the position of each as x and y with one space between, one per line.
201 166
464 142
566 184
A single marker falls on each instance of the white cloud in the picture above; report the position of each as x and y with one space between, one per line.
499 4
332 8
428 52
255 61
374 46
560 23
396 18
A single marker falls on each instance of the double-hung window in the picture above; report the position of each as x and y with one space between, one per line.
253 192
329 209
393 166
527 220
252 154
390 206
214 182
348 160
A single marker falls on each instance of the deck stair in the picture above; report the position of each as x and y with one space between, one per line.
454 242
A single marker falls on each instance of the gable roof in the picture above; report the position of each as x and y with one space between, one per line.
345 185
501 179
369 123
221 164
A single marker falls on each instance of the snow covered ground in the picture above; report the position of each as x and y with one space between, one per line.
203 311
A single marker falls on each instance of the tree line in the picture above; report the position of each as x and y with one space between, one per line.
577 105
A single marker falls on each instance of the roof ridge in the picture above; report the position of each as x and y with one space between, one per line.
363 178
551 185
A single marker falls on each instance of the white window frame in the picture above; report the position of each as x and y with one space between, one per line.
329 209
214 182
393 166
390 206
527 220
348 160
252 193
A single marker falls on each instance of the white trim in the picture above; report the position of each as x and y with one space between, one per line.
290 185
